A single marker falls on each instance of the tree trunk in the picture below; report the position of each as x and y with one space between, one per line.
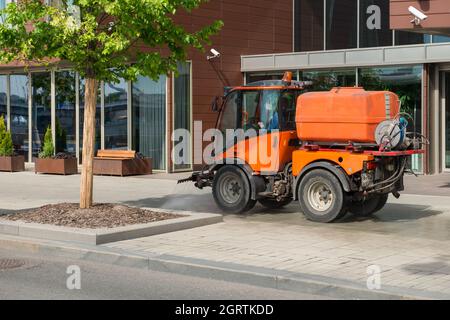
87 181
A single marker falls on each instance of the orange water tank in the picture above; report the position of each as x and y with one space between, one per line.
344 114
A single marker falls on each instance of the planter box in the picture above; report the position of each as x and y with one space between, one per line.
57 166
12 164
122 167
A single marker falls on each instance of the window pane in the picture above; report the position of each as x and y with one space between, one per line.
308 25
97 144
406 37
182 108
19 113
228 118
250 113
406 82
440 39
341 19
41 109
255 77
116 115
325 80
149 119
65 112
374 24
269 106
3 98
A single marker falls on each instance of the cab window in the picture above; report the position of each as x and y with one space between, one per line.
287 108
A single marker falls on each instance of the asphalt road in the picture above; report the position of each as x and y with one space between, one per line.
46 278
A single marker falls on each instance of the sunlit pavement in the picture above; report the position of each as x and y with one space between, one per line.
408 240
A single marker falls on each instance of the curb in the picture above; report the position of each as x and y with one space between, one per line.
101 236
261 277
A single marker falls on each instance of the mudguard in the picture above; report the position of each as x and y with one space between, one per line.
335 169
257 183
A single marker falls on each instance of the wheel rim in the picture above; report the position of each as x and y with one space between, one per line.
320 197
231 189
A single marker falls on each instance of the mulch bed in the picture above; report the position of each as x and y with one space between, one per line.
99 216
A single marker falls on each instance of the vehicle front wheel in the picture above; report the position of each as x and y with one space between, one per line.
232 190
370 206
322 197
274 204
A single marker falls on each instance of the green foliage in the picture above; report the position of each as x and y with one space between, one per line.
102 39
2 128
6 145
48 150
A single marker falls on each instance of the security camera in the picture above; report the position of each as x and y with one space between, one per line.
419 16
215 54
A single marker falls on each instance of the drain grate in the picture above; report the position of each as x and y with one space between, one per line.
7 264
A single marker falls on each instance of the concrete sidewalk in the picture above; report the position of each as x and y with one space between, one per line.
409 240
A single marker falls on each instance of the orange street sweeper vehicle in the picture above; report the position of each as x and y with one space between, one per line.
334 152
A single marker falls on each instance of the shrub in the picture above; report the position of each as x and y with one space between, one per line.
48 150
2 128
6 145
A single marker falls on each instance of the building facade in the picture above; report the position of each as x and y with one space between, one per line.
369 43
378 45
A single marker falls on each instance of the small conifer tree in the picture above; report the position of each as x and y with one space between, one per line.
6 145
48 150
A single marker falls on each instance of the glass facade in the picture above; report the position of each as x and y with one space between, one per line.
447 121
41 109
116 116
324 80
3 98
182 111
149 119
65 110
406 82
309 17
129 115
348 24
341 24
374 28
19 113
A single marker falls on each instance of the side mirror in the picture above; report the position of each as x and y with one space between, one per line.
216 104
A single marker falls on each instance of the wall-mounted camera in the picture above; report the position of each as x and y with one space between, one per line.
215 54
419 16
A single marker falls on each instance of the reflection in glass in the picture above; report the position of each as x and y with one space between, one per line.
406 37
3 98
97 144
374 26
116 115
149 119
308 25
182 108
440 39
41 109
341 29
19 113
65 112
406 82
325 80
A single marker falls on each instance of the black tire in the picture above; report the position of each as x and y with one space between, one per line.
322 197
370 206
274 204
232 190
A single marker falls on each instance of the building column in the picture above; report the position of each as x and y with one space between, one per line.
434 120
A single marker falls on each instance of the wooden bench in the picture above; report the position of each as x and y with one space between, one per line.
121 163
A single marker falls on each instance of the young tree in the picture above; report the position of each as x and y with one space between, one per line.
103 41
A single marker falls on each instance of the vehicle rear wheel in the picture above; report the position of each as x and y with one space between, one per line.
274 204
322 197
232 190
370 206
